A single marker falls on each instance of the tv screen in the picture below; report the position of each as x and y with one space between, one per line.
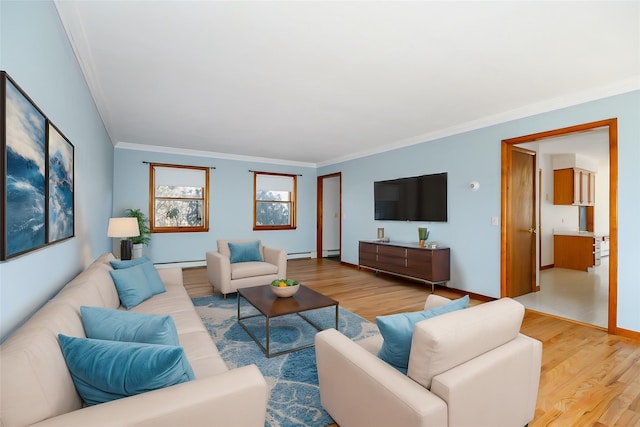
419 198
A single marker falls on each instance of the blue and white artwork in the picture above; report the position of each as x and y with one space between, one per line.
60 186
25 173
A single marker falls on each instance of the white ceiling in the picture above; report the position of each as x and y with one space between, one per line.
315 82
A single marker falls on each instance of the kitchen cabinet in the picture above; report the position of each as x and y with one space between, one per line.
574 186
406 260
577 252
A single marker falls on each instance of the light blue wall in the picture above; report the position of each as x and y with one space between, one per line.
35 51
475 156
231 208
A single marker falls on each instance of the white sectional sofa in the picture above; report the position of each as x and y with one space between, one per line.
37 389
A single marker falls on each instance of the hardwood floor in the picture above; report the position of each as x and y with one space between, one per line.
588 378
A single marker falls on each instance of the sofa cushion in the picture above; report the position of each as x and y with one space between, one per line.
446 341
107 370
117 325
397 330
132 286
252 269
153 278
245 251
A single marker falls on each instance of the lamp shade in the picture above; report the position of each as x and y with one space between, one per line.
123 227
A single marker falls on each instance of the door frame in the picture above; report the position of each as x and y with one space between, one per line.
319 211
507 146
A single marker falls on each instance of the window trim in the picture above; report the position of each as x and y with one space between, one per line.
152 200
293 203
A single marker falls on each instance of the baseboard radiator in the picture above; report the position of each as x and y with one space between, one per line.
203 263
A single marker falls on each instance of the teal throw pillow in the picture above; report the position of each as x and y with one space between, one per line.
153 278
117 325
245 252
132 286
397 331
120 264
108 370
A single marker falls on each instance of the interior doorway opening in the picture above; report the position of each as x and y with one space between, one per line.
329 217
609 129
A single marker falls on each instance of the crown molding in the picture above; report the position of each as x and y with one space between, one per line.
210 154
617 88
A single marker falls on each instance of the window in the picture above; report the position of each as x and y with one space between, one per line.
274 204
179 198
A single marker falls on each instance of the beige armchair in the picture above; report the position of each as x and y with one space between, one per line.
469 367
228 277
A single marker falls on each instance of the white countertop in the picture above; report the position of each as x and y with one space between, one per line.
569 232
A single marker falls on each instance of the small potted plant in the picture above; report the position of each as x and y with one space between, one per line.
423 235
145 233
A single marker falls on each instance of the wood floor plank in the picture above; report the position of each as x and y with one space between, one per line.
588 378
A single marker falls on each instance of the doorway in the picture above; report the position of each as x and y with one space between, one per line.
329 216
508 200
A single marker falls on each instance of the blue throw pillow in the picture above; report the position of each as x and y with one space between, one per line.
245 252
119 264
107 370
132 286
153 278
397 331
117 325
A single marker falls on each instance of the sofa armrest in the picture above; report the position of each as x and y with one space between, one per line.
497 388
219 271
277 257
234 398
359 389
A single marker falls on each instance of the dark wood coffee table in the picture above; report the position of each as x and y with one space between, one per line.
270 306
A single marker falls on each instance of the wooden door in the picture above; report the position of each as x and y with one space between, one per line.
521 236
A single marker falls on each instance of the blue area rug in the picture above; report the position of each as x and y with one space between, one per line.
294 396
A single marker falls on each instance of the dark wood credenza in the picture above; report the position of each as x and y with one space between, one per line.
407 260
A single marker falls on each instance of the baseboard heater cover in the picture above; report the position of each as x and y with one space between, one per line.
203 263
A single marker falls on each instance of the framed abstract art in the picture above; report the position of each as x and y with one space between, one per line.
60 181
37 167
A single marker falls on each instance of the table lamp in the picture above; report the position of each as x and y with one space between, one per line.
124 228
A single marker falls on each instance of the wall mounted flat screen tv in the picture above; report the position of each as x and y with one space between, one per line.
418 198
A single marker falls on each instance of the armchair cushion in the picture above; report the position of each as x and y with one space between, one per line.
108 370
245 251
242 270
397 330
